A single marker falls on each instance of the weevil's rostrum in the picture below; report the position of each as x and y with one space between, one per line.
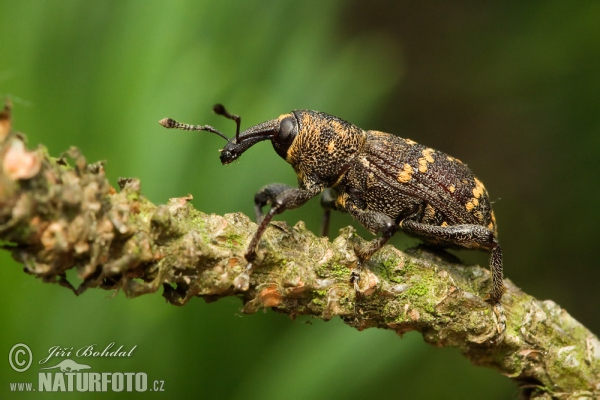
385 182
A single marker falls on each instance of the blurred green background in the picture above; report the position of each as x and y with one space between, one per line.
511 88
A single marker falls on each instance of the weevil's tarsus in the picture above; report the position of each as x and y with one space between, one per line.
242 281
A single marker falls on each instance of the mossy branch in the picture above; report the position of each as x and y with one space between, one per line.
55 217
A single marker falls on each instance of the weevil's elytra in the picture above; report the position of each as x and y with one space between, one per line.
385 182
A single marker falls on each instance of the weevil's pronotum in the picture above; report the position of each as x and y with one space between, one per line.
385 182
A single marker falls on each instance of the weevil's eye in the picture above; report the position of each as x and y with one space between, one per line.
287 128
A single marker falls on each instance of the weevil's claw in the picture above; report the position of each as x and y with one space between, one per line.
355 278
496 335
242 281
500 317
499 312
500 320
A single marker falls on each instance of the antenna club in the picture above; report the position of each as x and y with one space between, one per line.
168 122
219 109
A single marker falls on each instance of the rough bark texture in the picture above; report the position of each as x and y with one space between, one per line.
55 217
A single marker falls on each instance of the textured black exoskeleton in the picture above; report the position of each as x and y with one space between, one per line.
385 182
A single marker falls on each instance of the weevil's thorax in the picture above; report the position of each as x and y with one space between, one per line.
324 149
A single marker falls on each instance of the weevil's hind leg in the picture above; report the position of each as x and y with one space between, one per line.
328 204
468 236
498 288
473 237
265 196
287 199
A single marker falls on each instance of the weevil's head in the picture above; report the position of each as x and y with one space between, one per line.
319 146
280 131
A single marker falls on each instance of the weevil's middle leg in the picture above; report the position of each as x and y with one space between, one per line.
328 204
375 222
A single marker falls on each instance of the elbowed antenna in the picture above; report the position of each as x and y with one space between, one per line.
218 109
172 124
237 144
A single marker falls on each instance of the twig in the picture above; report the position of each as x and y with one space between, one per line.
55 217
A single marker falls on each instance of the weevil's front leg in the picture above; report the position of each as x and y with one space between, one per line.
265 196
286 200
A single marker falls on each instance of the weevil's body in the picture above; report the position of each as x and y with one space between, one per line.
382 173
385 182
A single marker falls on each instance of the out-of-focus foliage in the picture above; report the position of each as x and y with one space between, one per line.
511 89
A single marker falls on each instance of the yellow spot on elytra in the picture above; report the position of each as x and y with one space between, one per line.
427 158
427 154
451 188
410 142
422 165
475 202
469 206
492 226
444 224
478 190
331 147
478 215
452 159
406 174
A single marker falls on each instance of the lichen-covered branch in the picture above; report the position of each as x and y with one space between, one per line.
57 215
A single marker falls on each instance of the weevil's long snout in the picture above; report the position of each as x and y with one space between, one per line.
236 146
